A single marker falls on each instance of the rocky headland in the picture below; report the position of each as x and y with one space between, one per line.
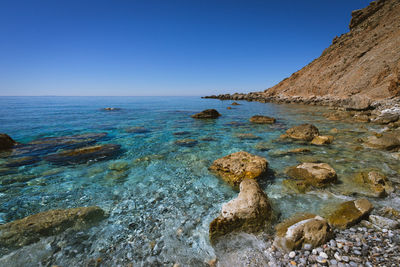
359 71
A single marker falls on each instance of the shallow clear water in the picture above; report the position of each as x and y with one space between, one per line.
161 204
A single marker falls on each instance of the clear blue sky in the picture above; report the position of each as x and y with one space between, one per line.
148 47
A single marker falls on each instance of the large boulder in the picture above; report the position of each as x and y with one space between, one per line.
375 182
85 154
350 213
207 114
358 102
304 132
238 166
313 174
6 142
322 140
249 212
385 141
302 229
386 118
262 119
30 229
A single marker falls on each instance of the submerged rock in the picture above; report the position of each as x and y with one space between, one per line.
238 166
235 104
350 213
186 142
375 182
30 229
385 141
247 136
304 132
300 230
322 140
85 154
182 133
249 212
207 114
22 161
263 146
262 119
313 174
6 142
138 129
281 153
47 145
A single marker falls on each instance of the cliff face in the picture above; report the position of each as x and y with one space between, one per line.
365 61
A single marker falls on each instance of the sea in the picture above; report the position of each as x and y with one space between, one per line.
161 199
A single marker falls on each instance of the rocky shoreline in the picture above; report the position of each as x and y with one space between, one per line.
351 233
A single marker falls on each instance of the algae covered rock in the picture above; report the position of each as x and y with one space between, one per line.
301 229
207 114
322 140
375 182
186 142
238 166
313 174
137 130
350 213
262 119
247 136
85 154
6 142
30 229
249 212
304 132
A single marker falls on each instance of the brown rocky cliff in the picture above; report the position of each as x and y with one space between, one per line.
364 61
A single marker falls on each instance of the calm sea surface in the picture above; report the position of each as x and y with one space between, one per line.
160 204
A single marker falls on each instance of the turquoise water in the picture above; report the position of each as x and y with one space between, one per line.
161 203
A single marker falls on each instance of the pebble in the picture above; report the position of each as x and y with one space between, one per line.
323 255
345 258
292 254
307 246
333 262
321 259
337 256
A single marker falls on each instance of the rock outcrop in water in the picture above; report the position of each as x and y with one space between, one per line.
359 67
262 119
374 182
249 212
30 229
6 142
238 166
350 213
305 132
207 114
300 230
311 175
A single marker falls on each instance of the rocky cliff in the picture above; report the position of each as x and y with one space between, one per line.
361 64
